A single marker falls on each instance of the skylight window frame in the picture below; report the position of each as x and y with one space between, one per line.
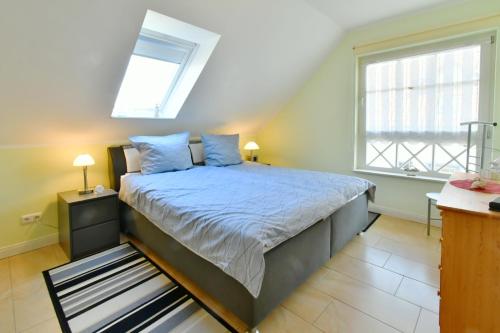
189 46
163 28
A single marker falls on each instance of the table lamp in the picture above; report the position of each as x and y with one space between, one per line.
252 146
84 161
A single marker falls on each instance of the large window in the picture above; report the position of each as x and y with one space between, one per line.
411 103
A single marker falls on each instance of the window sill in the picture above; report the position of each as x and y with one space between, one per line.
397 175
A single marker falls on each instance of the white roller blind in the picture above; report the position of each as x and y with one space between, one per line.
424 97
162 49
423 94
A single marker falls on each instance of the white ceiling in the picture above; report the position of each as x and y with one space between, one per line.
62 62
350 14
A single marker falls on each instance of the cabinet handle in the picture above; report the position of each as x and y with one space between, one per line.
441 239
439 293
440 267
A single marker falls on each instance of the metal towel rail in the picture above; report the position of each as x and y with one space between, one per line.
484 126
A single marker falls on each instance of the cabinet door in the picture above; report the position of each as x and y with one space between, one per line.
470 257
95 238
94 212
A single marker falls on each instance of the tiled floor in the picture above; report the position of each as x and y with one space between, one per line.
24 301
383 281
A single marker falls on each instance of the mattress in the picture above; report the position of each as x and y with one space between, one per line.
231 216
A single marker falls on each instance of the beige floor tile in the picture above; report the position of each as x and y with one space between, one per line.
32 310
317 276
369 238
430 243
419 293
385 307
26 269
48 326
414 232
28 286
283 321
390 225
341 318
424 255
5 285
371 274
307 302
413 270
29 264
59 255
7 323
366 253
428 322
199 321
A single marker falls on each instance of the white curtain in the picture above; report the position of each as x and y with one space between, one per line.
423 98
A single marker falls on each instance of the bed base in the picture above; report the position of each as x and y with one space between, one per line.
287 266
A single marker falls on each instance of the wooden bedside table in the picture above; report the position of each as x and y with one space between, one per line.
88 223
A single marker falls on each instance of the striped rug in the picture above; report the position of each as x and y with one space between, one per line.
122 290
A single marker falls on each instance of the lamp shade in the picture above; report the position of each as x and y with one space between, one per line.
251 146
83 160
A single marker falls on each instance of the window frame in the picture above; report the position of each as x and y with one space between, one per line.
190 48
201 43
486 99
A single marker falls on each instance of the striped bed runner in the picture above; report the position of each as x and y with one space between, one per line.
121 290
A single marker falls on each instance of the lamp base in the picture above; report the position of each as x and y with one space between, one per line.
82 192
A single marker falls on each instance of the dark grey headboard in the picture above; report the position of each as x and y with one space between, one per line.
117 165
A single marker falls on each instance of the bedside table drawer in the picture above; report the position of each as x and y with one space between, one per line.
97 237
94 212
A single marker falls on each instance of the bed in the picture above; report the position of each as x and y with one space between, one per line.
286 260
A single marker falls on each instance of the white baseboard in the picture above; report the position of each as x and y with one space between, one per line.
401 214
30 245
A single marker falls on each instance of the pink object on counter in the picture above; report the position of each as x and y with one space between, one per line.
490 187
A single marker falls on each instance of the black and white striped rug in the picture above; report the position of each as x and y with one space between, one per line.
122 290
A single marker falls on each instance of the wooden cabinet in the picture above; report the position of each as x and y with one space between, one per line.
470 262
88 223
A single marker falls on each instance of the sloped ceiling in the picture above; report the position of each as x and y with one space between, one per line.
353 13
61 63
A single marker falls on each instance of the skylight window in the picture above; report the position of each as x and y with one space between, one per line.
145 85
167 60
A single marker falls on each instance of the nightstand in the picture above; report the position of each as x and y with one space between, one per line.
88 223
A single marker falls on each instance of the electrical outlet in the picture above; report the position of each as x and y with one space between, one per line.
31 218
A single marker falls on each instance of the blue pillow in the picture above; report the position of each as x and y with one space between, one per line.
221 150
178 138
163 153
163 157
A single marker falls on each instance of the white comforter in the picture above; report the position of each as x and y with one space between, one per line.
230 216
